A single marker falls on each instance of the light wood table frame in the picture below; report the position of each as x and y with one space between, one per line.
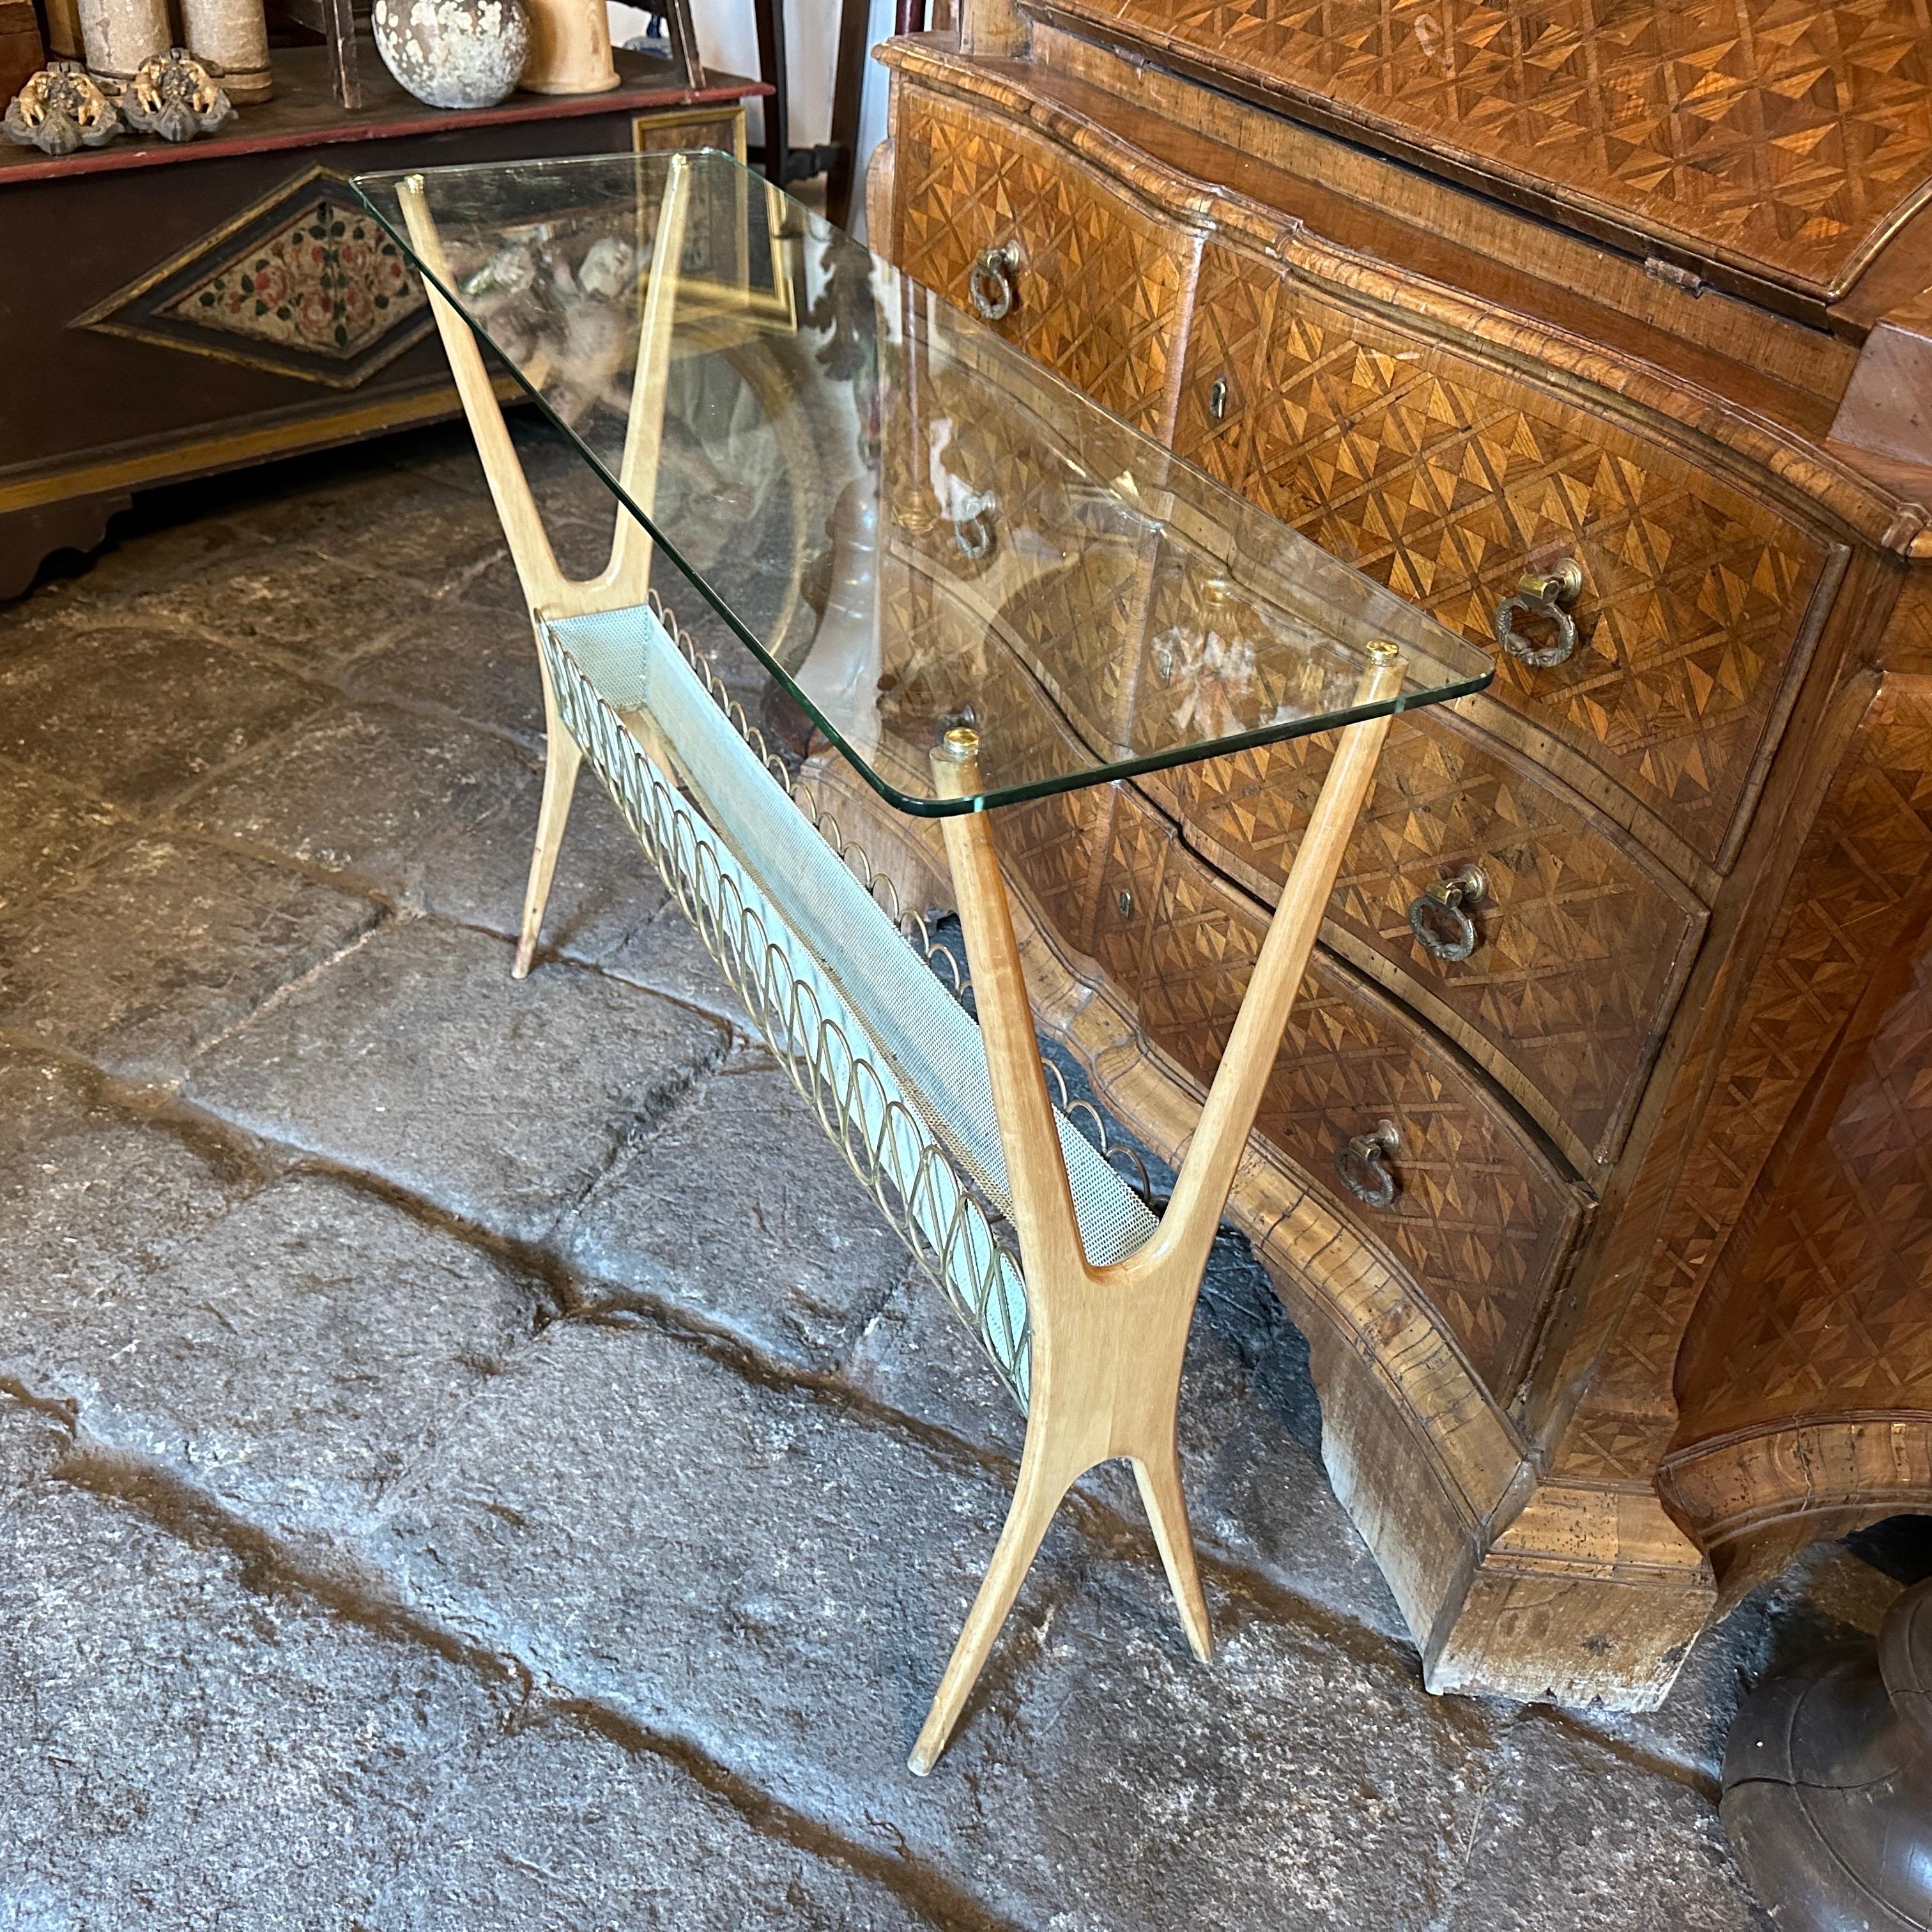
1107 1342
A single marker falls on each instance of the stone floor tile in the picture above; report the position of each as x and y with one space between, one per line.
495 588
558 1830
378 519
133 716
290 1360
365 790
1569 1841
177 1750
760 1573
168 533
48 829
291 601
95 1197
164 945
31 1443
738 1208
416 1057
603 892
666 956
445 453
577 518
917 1357
470 660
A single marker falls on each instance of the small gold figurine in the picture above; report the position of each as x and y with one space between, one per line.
174 96
60 110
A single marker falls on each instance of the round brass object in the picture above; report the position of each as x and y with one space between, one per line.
1363 1164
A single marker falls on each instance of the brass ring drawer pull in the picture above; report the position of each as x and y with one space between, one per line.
991 282
1548 595
1442 928
1363 1164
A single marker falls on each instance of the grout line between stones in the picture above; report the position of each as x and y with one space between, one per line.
1103 1527
362 1595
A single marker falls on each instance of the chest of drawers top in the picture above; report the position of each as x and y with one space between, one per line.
1779 148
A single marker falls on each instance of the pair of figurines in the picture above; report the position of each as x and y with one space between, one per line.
63 108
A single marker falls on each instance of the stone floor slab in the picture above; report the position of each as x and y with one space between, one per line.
469 661
379 520
1566 1841
739 1210
558 1830
94 1197
292 1359
603 896
48 829
758 1572
178 1751
163 947
290 603
365 790
135 715
417 1058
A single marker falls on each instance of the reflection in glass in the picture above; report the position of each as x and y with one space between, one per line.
911 524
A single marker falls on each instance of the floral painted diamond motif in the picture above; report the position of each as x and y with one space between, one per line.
328 283
303 283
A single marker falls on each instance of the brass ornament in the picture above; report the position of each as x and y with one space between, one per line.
174 96
59 109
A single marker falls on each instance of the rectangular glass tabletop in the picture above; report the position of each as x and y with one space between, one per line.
912 525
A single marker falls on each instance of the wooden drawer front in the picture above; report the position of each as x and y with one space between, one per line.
1098 287
1482 1217
1068 588
1582 942
1052 845
1445 480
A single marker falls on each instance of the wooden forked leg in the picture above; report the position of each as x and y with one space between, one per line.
1159 1480
1108 1342
561 759
1044 1480
625 581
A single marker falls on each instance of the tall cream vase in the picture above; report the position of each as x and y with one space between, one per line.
118 35
231 38
570 48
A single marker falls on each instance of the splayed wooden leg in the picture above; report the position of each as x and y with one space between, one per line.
561 759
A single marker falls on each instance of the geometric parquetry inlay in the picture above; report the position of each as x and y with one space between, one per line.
1444 479
1099 284
1582 946
1860 887
305 282
1481 1221
1839 1312
1781 135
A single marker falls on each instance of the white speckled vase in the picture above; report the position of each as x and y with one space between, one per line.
454 53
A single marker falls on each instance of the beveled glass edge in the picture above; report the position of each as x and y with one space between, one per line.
910 805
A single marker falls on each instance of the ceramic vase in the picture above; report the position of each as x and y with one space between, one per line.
454 53
120 34
230 38
570 48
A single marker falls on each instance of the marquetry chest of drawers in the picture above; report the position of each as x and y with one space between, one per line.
1595 1164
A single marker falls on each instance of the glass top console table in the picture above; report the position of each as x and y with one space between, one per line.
1022 596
